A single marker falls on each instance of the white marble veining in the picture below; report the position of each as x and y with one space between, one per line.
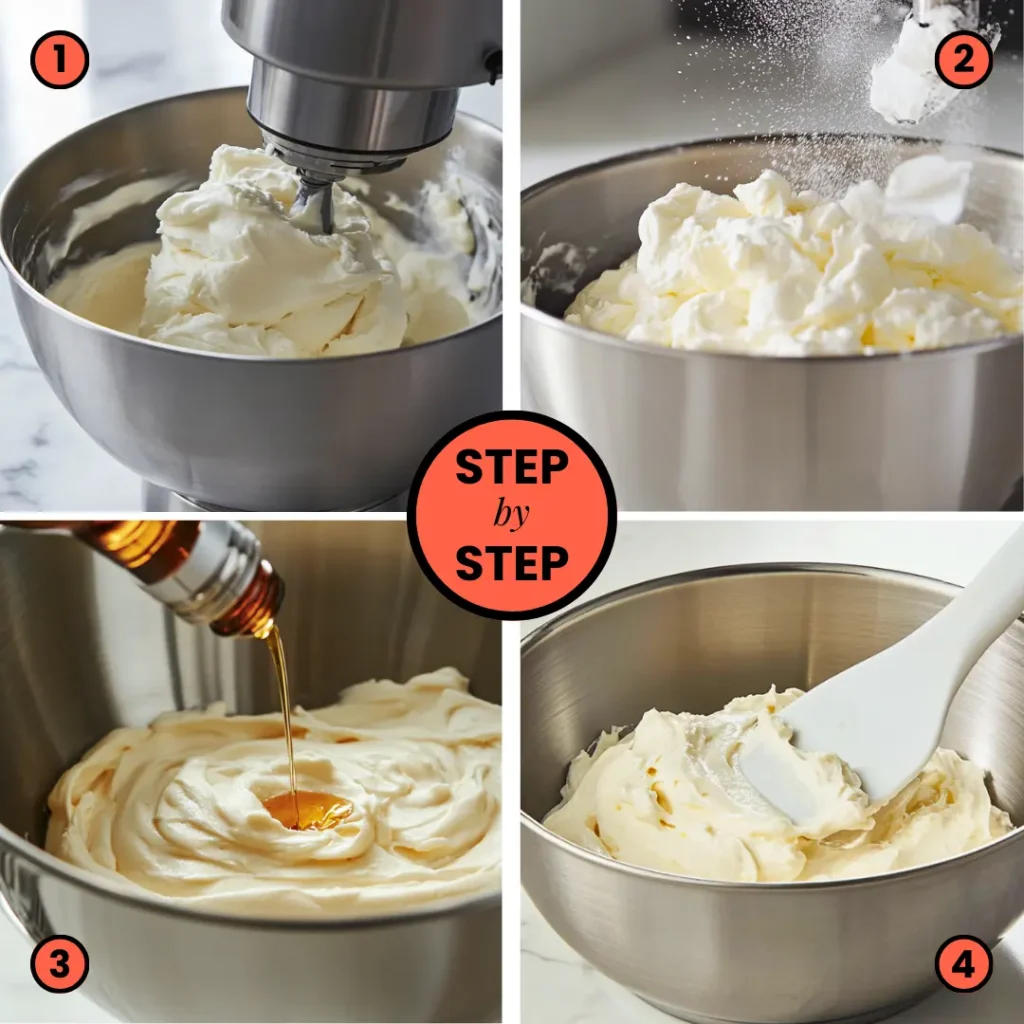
557 986
140 51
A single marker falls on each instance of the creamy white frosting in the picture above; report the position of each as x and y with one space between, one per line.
175 810
905 87
242 268
670 796
773 271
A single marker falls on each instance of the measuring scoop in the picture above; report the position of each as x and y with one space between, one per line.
884 717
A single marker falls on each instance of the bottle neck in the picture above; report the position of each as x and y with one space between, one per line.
209 573
223 582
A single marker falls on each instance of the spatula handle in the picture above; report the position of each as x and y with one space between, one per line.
983 610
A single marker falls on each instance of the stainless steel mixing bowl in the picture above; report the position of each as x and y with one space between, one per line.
247 434
714 952
83 650
698 430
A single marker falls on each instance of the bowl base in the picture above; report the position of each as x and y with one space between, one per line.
161 501
864 1018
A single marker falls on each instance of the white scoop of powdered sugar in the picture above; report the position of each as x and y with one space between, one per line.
905 87
930 186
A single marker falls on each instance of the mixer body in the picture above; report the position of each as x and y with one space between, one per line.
232 433
343 85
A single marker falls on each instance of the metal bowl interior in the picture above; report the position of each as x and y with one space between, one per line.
711 636
174 139
692 643
83 650
230 431
581 223
700 431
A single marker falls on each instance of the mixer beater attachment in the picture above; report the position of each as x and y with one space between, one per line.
313 190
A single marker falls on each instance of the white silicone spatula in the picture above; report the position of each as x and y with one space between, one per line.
884 716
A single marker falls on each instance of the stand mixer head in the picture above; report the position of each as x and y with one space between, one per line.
342 87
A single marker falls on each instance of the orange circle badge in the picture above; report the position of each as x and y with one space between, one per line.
964 964
60 60
512 515
963 59
59 964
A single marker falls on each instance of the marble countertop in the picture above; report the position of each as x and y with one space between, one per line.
558 986
139 52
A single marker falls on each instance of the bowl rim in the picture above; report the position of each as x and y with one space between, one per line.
636 156
566 619
53 867
177 350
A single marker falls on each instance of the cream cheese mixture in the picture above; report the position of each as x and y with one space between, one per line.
670 796
772 271
176 811
241 268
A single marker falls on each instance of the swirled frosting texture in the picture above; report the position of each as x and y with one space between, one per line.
175 810
670 796
243 268
772 271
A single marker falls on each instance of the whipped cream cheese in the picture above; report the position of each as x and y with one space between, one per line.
670 796
905 87
242 268
773 271
176 811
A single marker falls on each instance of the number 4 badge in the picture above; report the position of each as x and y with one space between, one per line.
964 964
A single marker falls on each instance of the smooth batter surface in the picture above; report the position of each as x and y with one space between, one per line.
772 271
240 267
175 809
669 796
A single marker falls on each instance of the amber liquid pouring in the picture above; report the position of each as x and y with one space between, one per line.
274 642
298 809
153 549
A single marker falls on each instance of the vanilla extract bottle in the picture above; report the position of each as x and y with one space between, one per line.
210 573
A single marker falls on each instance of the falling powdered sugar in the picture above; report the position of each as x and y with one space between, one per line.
905 87
805 67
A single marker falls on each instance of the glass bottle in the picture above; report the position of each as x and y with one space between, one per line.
207 572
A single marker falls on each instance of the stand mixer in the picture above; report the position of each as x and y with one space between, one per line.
342 87
339 87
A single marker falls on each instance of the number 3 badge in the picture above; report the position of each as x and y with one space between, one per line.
59 964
